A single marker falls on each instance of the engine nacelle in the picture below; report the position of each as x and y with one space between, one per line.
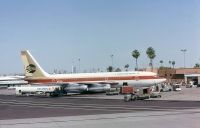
76 88
99 88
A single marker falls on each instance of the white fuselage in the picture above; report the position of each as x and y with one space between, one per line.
119 78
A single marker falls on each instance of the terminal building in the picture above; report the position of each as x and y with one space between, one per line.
178 75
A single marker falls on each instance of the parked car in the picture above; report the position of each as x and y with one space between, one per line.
167 88
155 95
176 87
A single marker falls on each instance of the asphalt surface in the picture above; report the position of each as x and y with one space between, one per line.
174 109
12 107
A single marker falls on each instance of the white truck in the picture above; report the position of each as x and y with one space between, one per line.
38 90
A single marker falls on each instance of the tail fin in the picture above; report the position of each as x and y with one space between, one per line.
31 67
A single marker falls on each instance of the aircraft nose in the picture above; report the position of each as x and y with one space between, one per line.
163 79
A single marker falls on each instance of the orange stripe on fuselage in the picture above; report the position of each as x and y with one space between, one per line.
79 80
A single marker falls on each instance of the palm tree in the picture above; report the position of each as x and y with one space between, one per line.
136 54
170 62
151 54
197 65
126 67
173 63
110 69
161 62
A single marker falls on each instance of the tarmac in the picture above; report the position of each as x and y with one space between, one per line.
175 119
174 109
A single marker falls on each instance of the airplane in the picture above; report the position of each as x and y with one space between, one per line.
34 73
12 80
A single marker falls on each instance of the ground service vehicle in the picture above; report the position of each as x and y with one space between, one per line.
38 90
135 94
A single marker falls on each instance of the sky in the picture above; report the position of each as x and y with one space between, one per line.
59 33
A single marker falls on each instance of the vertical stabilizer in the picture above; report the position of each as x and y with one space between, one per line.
31 67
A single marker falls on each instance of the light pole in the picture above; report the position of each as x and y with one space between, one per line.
184 51
73 66
79 65
112 59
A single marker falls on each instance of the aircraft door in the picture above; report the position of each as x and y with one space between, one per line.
125 83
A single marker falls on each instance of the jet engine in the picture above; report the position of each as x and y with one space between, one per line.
99 87
76 88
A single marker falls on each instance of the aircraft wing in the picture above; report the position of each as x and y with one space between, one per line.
100 82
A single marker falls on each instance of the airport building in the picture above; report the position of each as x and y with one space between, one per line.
177 75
